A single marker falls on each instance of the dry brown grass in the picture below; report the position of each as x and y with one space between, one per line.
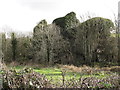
82 69
71 68
115 69
89 70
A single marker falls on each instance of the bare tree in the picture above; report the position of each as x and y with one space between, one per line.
49 45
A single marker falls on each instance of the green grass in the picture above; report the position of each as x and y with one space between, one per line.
114 35
48 70
16 67
56 77
56 73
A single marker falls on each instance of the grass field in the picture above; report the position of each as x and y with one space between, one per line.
69 72
65 76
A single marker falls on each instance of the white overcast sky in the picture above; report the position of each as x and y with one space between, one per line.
23 15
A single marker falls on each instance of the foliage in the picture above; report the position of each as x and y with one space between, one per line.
93 40
49 45
67 24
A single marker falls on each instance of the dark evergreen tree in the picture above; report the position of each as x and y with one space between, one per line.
14 45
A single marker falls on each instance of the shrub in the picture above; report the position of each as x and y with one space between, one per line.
28 79
25 78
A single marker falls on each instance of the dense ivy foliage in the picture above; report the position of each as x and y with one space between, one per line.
67 24
94 39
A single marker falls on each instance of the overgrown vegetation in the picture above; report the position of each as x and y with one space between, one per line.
61 76
67 54
65 41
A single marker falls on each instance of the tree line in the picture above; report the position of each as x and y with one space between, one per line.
65 41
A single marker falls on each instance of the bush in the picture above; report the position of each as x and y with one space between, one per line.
28 79
25 78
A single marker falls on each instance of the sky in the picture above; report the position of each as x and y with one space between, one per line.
23 15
